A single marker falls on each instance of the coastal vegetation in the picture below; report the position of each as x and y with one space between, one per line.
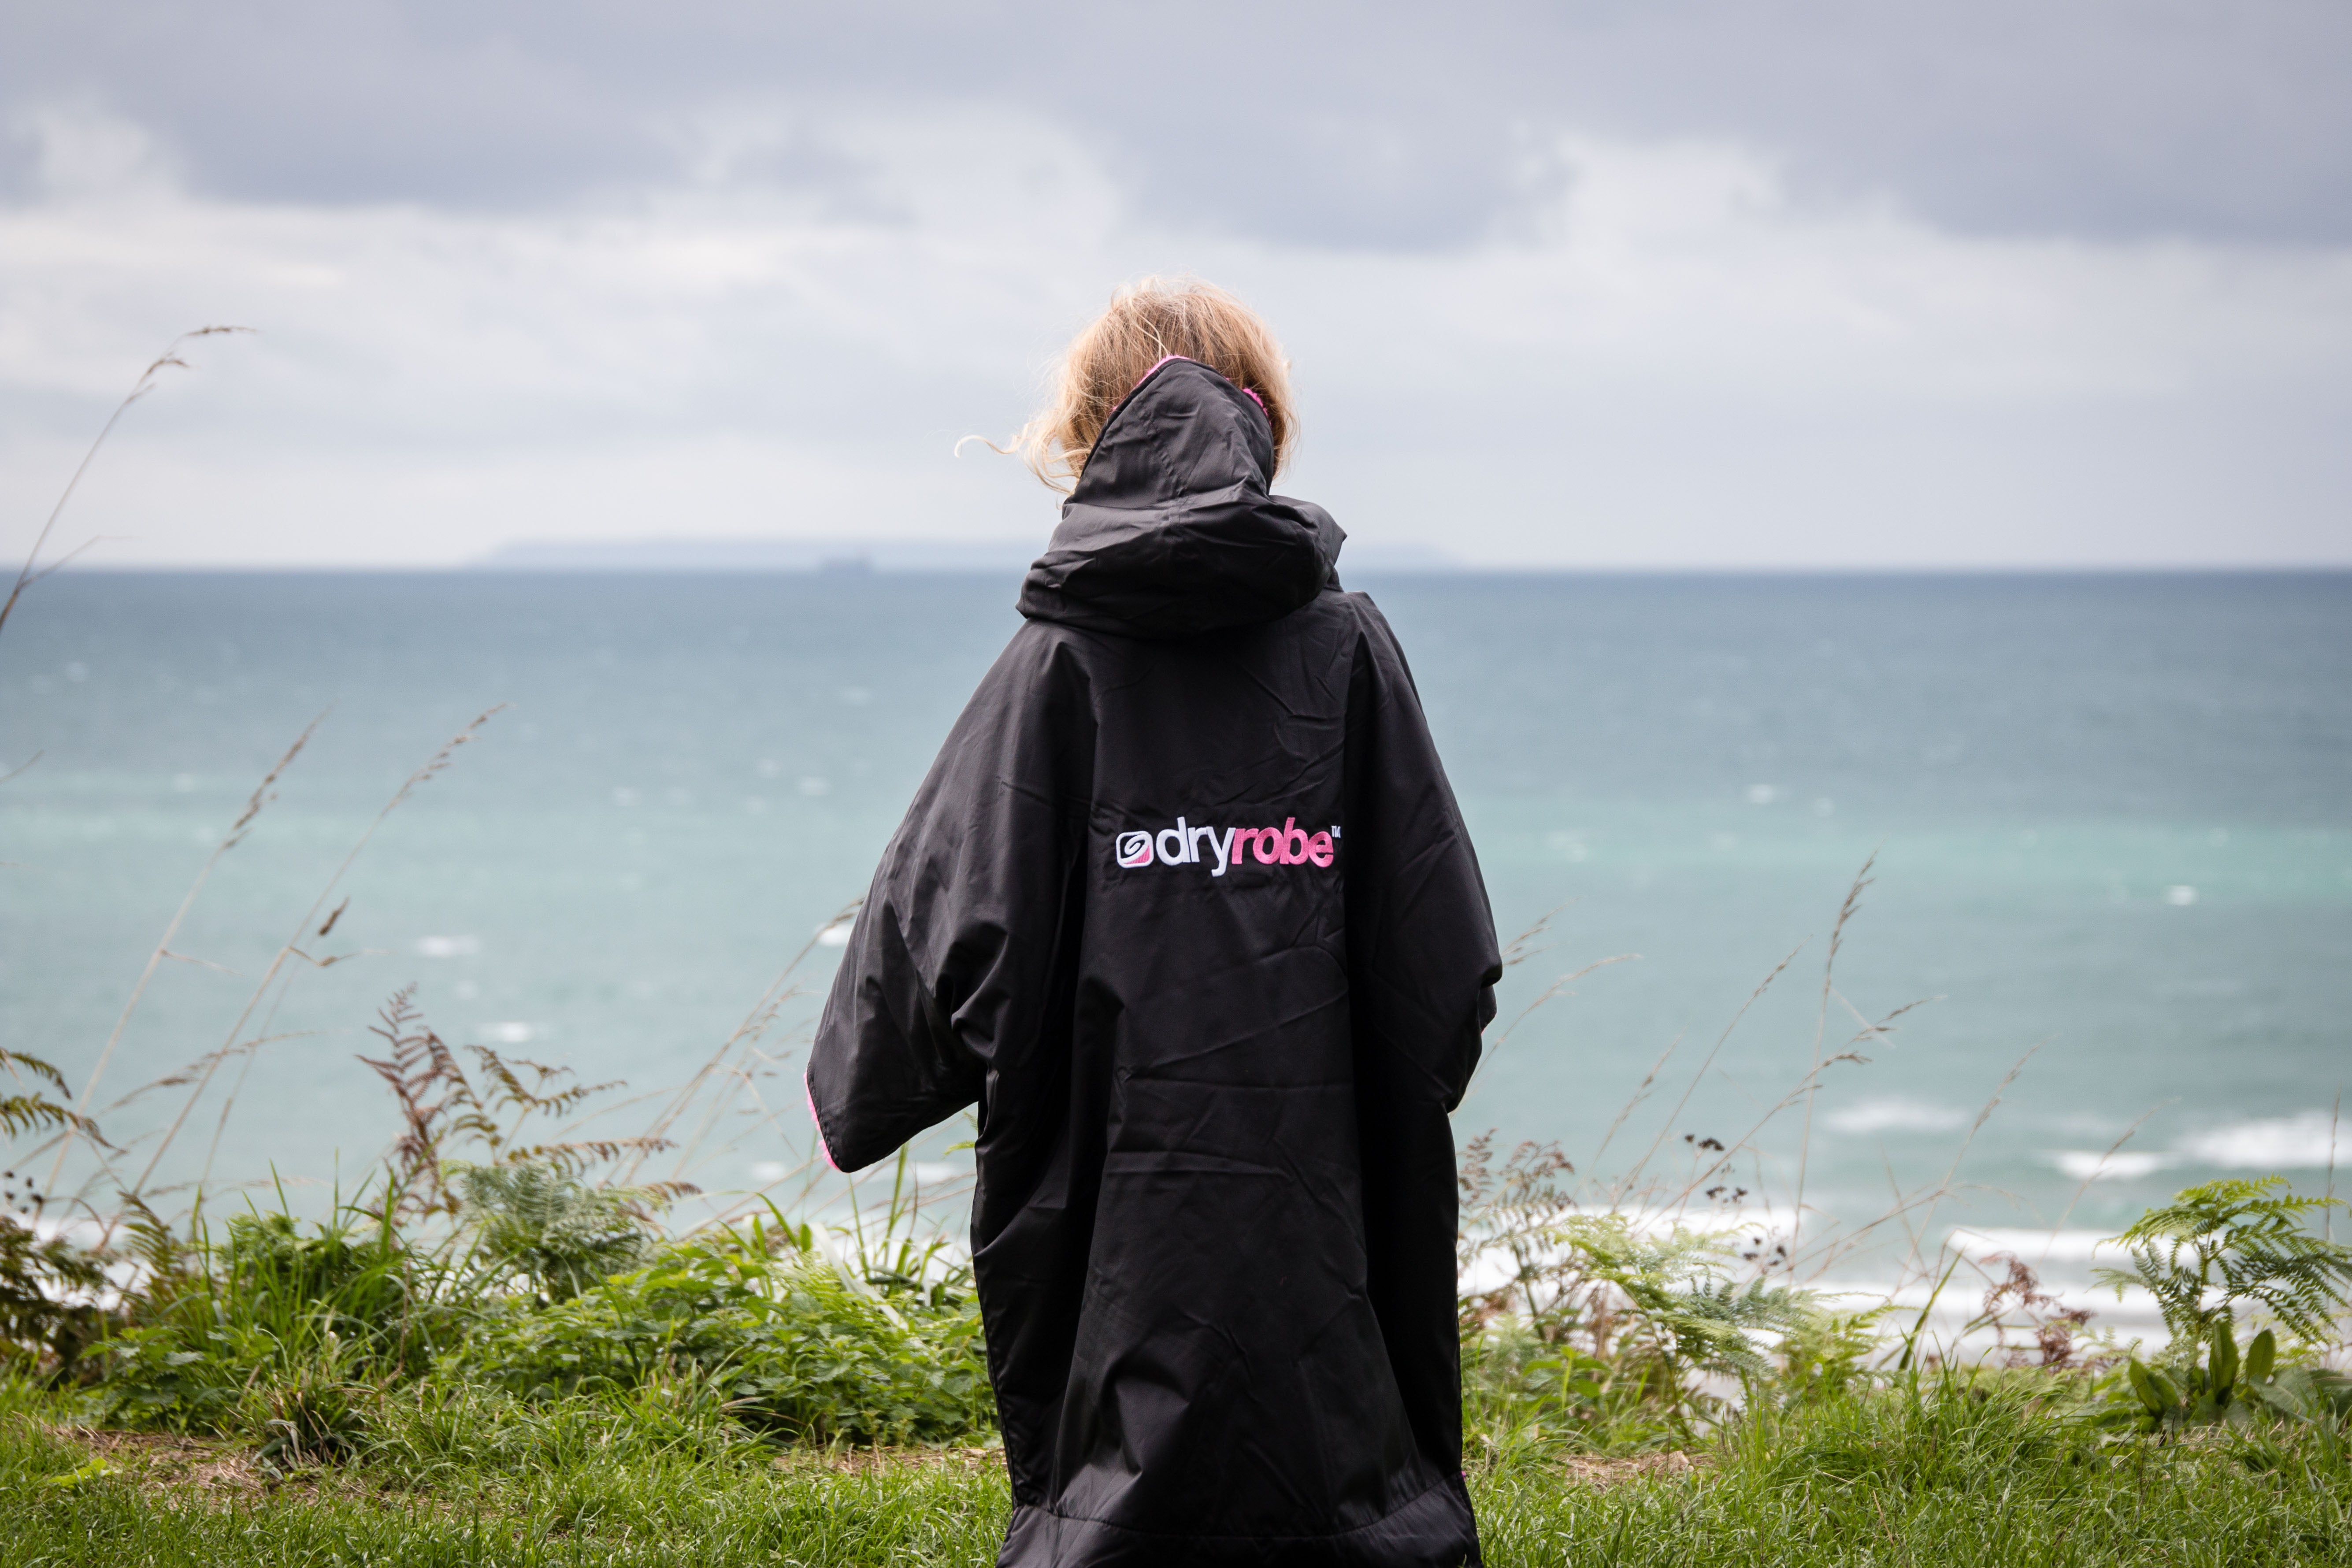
489 1353
338 1392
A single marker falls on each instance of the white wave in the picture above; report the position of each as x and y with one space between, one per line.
1749 1229
449 946
2122 1165
2036 1246
836 935
511 1034
2307 1141
1894 1114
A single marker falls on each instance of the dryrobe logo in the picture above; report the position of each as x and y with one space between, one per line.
1185 844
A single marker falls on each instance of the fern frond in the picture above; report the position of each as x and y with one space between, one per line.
25 1112
18 1062
2237 1242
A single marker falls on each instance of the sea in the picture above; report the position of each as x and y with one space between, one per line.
2052 873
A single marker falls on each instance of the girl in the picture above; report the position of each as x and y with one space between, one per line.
1187 909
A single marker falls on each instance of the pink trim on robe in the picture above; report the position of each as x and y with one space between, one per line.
822 1146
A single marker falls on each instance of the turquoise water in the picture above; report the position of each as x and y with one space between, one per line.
2111 818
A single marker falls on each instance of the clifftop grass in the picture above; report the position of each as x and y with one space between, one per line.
1953 1470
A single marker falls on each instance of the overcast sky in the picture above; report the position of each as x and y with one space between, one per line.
1754 283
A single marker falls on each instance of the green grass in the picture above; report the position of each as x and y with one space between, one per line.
468 1479
1956 1474
1947 1479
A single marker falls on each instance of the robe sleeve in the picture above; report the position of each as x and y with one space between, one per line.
1422 958
1422 965
940 987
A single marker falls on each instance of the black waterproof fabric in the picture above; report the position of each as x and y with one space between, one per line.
1186 908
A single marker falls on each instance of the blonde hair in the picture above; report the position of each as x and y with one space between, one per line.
1148 321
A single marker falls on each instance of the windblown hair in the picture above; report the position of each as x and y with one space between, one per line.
1148 321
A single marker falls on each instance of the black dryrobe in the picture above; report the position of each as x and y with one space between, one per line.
1187 909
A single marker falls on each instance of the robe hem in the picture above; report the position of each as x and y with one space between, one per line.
1407 1505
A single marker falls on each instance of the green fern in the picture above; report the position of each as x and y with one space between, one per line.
2232 1243
48 1291
533 1220
1679 1310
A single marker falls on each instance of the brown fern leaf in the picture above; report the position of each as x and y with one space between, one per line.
534 1100
436 1102
18 1062
23 1112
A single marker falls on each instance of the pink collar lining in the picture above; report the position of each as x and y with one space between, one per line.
1146 375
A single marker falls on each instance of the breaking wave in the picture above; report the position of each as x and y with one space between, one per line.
2307 1141
1894 1114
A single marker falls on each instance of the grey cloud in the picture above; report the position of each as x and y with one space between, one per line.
1380 126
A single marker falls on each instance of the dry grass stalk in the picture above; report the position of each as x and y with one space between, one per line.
263 794
1713 1159
738 1076
1863 880
269 992
33 570
1625 1182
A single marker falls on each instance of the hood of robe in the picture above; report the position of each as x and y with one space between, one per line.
1172 530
